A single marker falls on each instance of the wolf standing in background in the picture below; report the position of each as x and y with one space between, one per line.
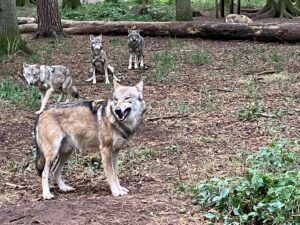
135 44
84 125
49 79
99 60
235 18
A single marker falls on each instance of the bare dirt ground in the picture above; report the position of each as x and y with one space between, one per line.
199 84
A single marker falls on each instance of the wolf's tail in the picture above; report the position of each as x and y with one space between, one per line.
40 159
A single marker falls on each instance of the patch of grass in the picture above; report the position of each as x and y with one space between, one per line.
200 56
165 64
210 104
251 88
19 93
277 60
117 42
12 43
182 107
251 112
120 11
267 193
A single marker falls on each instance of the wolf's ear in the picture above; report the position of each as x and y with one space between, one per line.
129 31
25 64
92 37
140 86
100 37
138 31
116 84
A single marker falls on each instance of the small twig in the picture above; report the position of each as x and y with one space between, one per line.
15 185
265 72
177 116
220 89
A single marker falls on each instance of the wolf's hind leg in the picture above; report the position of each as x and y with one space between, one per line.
45 180
64 154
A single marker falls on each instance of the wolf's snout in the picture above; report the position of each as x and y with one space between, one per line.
31 84
122 115
119 113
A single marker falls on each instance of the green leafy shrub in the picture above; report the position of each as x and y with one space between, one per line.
267 193
252 112
118 12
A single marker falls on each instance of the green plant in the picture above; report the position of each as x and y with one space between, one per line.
277 60
200 57
117 11
18 93
251 112
11 43
165 63
251 88
267 193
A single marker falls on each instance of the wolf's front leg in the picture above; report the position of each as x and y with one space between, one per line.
142 61
130 61
45 100
136 61
115 167
93 77
107 162
45 181
106 74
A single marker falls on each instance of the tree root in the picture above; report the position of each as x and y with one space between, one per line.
282 8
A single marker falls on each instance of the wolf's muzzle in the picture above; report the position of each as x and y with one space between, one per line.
122 115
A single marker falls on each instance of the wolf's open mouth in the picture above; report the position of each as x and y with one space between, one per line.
122 115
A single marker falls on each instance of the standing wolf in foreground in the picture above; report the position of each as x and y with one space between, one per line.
82 125
235 18
99 60
49 79
135 44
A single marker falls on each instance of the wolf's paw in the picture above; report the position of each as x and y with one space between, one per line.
66 188
119 193
107 82
136 66
129 67
47 196
90 79
94 82
38 112
124 189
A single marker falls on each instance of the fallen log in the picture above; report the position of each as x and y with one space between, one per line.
24 20
284 32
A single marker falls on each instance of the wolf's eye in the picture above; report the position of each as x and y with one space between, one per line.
127 98
115 99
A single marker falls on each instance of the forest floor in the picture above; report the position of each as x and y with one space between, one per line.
202 85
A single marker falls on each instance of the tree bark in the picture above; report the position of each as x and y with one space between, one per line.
73 4
8 18
278 8
285 32
184 10
49 22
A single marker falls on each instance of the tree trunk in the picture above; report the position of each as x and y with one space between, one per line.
184 10
73 4
278 8
9 31
286 32
49 22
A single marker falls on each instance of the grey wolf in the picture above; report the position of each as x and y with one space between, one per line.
235 18
49 79
62 127
99 60
136 45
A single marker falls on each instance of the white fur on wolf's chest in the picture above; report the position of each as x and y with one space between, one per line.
118 141
98 64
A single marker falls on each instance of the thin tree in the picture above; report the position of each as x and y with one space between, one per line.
280 8
184 10
73 4
49 22
10 39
